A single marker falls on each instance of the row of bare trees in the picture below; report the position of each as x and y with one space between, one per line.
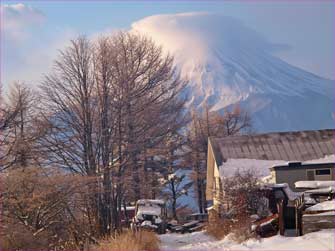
110 119
105 113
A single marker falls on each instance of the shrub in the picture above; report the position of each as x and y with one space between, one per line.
239 228
219 228
14 237
241 199
42 209
142 240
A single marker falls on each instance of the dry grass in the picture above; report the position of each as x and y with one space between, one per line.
242 234
142 240
218 227
239 229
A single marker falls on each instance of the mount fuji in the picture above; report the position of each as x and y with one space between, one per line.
228 63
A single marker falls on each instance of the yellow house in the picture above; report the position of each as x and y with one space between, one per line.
261 152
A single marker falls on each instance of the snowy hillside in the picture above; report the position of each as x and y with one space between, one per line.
228 63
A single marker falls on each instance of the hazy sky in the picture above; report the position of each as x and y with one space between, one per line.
32 32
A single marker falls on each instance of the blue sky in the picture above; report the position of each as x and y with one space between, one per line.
33 31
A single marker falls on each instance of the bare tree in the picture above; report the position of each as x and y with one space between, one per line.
70 108
21 131
106 104
203 126
148 88
145 108
70 115
232 122
177 186
6 115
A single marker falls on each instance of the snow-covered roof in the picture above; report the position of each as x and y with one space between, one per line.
314 184
128 208
290 194
286 146
148 202
326 162
150 207
149 210
326 190
323 206
327 159
327 213
261 168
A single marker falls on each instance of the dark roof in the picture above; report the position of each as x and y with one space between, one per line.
289 146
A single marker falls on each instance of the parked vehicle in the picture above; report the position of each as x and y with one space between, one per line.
150 215
127 215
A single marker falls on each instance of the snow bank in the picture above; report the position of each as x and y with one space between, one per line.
196 240
323 206
322 240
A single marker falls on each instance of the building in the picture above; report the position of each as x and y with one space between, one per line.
298 171
260 152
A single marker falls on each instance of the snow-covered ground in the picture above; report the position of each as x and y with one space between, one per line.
322 240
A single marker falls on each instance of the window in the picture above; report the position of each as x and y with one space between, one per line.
322 172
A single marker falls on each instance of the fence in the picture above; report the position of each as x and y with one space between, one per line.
315 221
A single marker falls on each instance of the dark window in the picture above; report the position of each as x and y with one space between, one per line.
322 172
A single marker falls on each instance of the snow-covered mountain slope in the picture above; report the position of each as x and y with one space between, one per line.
228 63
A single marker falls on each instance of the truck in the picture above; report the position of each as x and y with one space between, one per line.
150 215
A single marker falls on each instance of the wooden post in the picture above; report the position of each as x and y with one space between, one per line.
281 217
299 205
296 207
